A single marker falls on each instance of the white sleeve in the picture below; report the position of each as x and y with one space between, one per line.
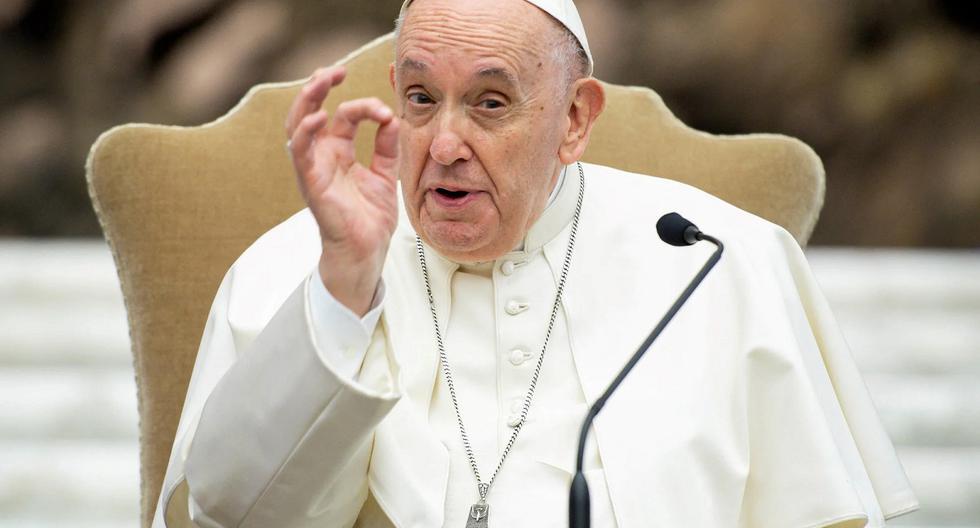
342 338
272 433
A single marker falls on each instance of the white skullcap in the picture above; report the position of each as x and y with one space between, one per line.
564 11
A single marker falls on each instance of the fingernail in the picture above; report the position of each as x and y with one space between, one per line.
385 113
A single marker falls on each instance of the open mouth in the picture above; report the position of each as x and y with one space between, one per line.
453 195
454 198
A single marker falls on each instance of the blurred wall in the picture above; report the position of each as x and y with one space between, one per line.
885 91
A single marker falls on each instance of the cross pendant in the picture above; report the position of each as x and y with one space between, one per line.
479 515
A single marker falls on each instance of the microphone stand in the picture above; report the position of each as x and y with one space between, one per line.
579 515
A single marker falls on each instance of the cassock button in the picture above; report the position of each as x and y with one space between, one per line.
507 268
518 356
513 420
515 307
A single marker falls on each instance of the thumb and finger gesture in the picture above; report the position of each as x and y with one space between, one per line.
354 206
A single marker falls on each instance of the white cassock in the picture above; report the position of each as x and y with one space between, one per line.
747 412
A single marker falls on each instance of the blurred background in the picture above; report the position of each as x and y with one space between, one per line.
886 92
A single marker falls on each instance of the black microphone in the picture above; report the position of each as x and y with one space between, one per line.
675 230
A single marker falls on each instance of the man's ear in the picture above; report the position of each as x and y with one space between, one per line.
588 100
391 75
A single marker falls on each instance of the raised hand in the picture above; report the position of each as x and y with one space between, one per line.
356 207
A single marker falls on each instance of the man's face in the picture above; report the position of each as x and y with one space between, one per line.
482 121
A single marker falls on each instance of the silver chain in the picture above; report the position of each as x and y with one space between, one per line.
484 487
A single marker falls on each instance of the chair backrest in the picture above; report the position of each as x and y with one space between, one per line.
178 205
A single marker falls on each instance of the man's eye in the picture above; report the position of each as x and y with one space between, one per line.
491 104
419 98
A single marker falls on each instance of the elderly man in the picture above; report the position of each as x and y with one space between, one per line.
427 361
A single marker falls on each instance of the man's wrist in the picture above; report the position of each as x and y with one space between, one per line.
350 285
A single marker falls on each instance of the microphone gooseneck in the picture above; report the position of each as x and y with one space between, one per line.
675 230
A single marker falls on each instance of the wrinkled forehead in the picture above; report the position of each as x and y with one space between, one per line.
470 35
562 11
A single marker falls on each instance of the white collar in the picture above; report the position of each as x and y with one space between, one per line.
556 215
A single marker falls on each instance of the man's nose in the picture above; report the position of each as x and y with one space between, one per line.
448 145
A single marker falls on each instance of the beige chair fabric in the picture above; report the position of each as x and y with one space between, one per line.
178 205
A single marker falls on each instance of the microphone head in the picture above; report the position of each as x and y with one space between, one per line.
676 230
